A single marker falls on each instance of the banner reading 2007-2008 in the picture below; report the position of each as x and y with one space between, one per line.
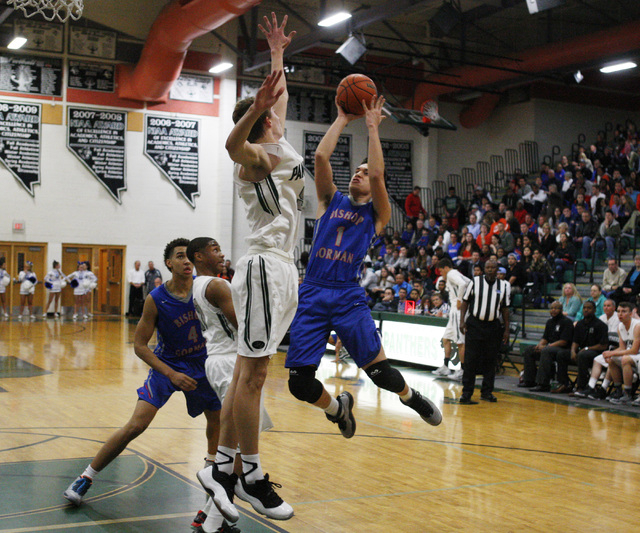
97 138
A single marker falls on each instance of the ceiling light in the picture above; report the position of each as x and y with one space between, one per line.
626 65
18 42
578 76
220 67
334 19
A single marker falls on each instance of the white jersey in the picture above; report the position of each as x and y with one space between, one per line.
626 335
456 284
221 336
3 274
273 205
55 277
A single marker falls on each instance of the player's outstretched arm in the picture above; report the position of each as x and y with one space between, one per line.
373 117
278 41
218 294
144 332
252 156
325 188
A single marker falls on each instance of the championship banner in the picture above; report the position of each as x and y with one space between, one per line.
172 145
397 162
340 159
20 142
91 76
31 75
97 139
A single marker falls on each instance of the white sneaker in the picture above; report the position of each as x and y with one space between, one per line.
457 375
57 315
75 317
636 402
443 371
263 498
33 317
86 317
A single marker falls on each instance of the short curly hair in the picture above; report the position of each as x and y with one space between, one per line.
169 248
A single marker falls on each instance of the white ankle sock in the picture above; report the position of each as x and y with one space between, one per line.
592 382
251 468
225 458
605 383
90 472
407 396
333 408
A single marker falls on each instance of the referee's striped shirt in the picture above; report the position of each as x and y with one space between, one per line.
487 299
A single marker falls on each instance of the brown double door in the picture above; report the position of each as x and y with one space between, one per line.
17 254
106 263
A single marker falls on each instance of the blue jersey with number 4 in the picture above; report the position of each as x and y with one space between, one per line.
341 240
179 333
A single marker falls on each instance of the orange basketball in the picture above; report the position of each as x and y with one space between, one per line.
352 90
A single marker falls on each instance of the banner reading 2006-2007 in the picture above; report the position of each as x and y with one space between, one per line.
172 145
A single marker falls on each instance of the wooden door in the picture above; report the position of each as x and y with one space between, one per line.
113 287
37 254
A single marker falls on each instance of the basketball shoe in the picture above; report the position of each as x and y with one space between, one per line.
443 371
263 498
345 419
77 490
427 410
220 487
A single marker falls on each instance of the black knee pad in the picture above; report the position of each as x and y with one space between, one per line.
304 385
386 377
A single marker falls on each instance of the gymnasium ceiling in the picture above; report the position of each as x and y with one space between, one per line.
406 48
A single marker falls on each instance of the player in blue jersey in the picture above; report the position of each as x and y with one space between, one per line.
177 364
330 297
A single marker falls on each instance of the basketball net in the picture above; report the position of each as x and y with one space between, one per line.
430 111
50 9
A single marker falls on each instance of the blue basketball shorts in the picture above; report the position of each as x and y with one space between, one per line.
322 309
157 389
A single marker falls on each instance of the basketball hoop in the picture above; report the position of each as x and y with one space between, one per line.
50 9
430 111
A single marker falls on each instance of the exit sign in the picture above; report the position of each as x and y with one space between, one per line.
19 226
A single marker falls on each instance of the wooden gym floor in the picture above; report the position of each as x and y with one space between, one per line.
517 465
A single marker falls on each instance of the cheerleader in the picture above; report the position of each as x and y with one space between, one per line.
28 281
82 281
90 284
5 279
55 282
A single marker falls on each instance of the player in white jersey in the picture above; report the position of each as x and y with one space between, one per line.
5 279
28 281
269 174
83 282
456 284
54 281
214 306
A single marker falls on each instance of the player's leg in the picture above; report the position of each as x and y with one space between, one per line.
49 300
142 416
23 304
76 305
56 305
444 370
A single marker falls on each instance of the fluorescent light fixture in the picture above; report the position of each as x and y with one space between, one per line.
18 42
334 19
578 76
220 67
626 65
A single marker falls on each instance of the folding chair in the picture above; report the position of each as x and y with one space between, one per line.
506 349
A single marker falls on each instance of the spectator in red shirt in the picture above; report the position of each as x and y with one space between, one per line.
413 204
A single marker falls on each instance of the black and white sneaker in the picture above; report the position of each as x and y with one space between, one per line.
345 420
220 487
263 498
427 410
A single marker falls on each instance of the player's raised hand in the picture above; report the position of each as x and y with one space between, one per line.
373 111
275 34
268 93
183 382
342 113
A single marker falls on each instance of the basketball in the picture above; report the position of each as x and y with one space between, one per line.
352 90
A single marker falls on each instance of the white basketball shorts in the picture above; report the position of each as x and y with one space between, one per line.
452 329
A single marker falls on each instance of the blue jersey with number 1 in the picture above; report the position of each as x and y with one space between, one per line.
341 239
179 333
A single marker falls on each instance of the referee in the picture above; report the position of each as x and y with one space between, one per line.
485 298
